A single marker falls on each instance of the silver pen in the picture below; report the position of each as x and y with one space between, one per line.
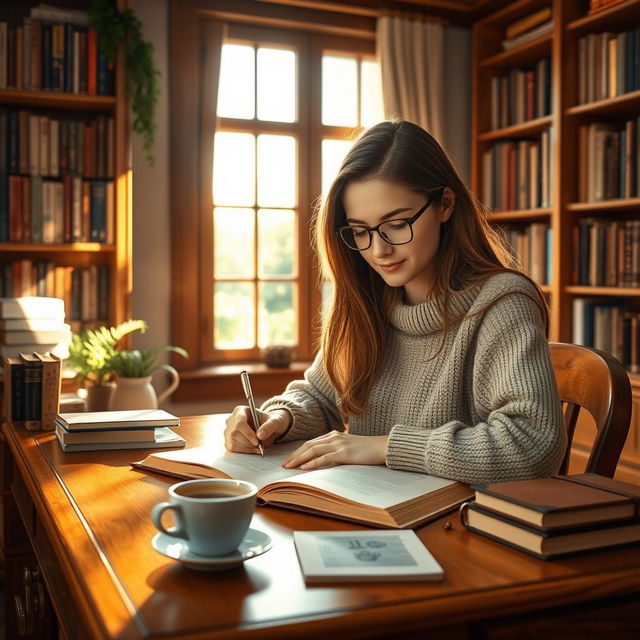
246 385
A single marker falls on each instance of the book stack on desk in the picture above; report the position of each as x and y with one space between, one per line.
99 430
557 516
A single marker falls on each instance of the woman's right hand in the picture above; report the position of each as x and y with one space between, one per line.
240 437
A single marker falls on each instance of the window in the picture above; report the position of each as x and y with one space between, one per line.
265 165
257 129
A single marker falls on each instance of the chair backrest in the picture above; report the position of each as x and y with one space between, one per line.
593 380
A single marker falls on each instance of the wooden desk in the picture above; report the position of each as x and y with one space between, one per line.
84 526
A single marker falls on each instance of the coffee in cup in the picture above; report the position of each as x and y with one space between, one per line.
212 515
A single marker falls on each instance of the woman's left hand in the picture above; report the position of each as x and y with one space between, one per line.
337 447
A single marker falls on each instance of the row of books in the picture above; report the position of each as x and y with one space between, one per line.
40 145
521 95
609 160
606 324
608 65
32 390
54 50
516 174
134 429
606 253
47 211
558 516
84 290
531 245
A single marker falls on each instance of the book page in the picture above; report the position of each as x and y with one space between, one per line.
377 486
240 466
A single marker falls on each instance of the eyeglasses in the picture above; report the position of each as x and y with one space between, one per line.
396 231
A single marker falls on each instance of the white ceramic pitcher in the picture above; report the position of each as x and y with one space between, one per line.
138 393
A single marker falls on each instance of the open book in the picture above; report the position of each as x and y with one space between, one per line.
372 495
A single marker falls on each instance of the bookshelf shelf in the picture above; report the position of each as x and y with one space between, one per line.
524 54
513 216
616 16
531 127
626 104
57 100
602 291
66 166
86 247
591 156
605 205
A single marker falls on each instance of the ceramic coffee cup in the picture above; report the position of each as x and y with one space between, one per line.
212 515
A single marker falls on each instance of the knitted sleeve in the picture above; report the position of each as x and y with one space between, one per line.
311 402
520 433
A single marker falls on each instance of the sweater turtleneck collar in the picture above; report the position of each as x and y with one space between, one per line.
424 318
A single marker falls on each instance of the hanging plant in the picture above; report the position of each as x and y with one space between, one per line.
115 28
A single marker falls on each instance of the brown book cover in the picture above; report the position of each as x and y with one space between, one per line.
50 390
562 501
548 545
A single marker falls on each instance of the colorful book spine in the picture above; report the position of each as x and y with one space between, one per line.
32 392
14 404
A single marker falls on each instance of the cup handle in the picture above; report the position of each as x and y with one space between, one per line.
156 517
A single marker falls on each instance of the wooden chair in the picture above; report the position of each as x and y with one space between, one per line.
596 381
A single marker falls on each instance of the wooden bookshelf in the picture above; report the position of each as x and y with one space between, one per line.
117 255
571 22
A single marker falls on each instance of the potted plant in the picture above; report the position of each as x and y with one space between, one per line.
133 383
89 356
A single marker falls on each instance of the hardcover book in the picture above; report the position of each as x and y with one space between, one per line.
549 544
561 501
109 420
558 516
373 495
163 438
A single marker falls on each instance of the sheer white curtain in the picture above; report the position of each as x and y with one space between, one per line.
411 55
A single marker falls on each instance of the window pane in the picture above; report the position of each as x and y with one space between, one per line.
233 234
276 171
275 314
236 87
234 162
276 85
333 153
371 109
339 91
276 241
233 315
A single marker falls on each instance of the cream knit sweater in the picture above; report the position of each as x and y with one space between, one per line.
485 409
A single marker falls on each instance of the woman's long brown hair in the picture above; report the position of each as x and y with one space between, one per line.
470 251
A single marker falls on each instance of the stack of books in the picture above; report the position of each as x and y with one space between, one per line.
32 390
556 517
133 429
33 323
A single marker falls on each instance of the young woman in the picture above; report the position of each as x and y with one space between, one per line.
434 350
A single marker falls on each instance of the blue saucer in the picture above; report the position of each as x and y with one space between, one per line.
255 543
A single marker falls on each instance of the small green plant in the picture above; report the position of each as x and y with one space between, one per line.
141 363
91 352
114 28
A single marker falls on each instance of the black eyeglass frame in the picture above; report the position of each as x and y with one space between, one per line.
410 221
